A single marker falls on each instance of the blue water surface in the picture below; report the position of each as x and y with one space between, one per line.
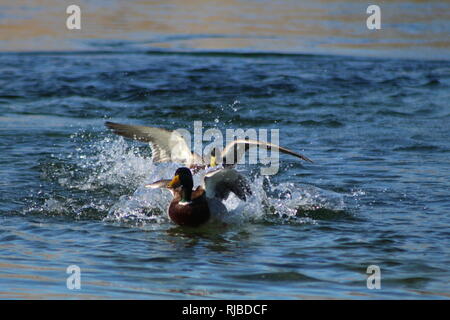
377 193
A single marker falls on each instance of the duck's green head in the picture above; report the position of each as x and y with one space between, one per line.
183 178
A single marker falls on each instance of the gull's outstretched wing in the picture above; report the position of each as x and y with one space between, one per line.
167 146
234 151
160 184
219 183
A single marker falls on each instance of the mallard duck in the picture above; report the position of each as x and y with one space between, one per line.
170 146
195 207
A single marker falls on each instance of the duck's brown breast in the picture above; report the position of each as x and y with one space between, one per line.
191 214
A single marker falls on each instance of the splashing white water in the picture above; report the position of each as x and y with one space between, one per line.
109 162
121 170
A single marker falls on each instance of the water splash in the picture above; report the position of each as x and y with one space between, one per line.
109 162
106 177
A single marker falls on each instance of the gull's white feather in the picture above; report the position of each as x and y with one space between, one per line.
167 146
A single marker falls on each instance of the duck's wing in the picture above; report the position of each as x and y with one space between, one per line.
219 183
198 193
167 146
234 151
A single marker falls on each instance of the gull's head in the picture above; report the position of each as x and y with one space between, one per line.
215 154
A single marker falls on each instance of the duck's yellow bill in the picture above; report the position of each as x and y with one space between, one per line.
175 182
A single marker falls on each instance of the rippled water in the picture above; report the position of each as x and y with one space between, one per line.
377 129
378 193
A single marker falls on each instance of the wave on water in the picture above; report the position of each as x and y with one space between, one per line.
104 178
